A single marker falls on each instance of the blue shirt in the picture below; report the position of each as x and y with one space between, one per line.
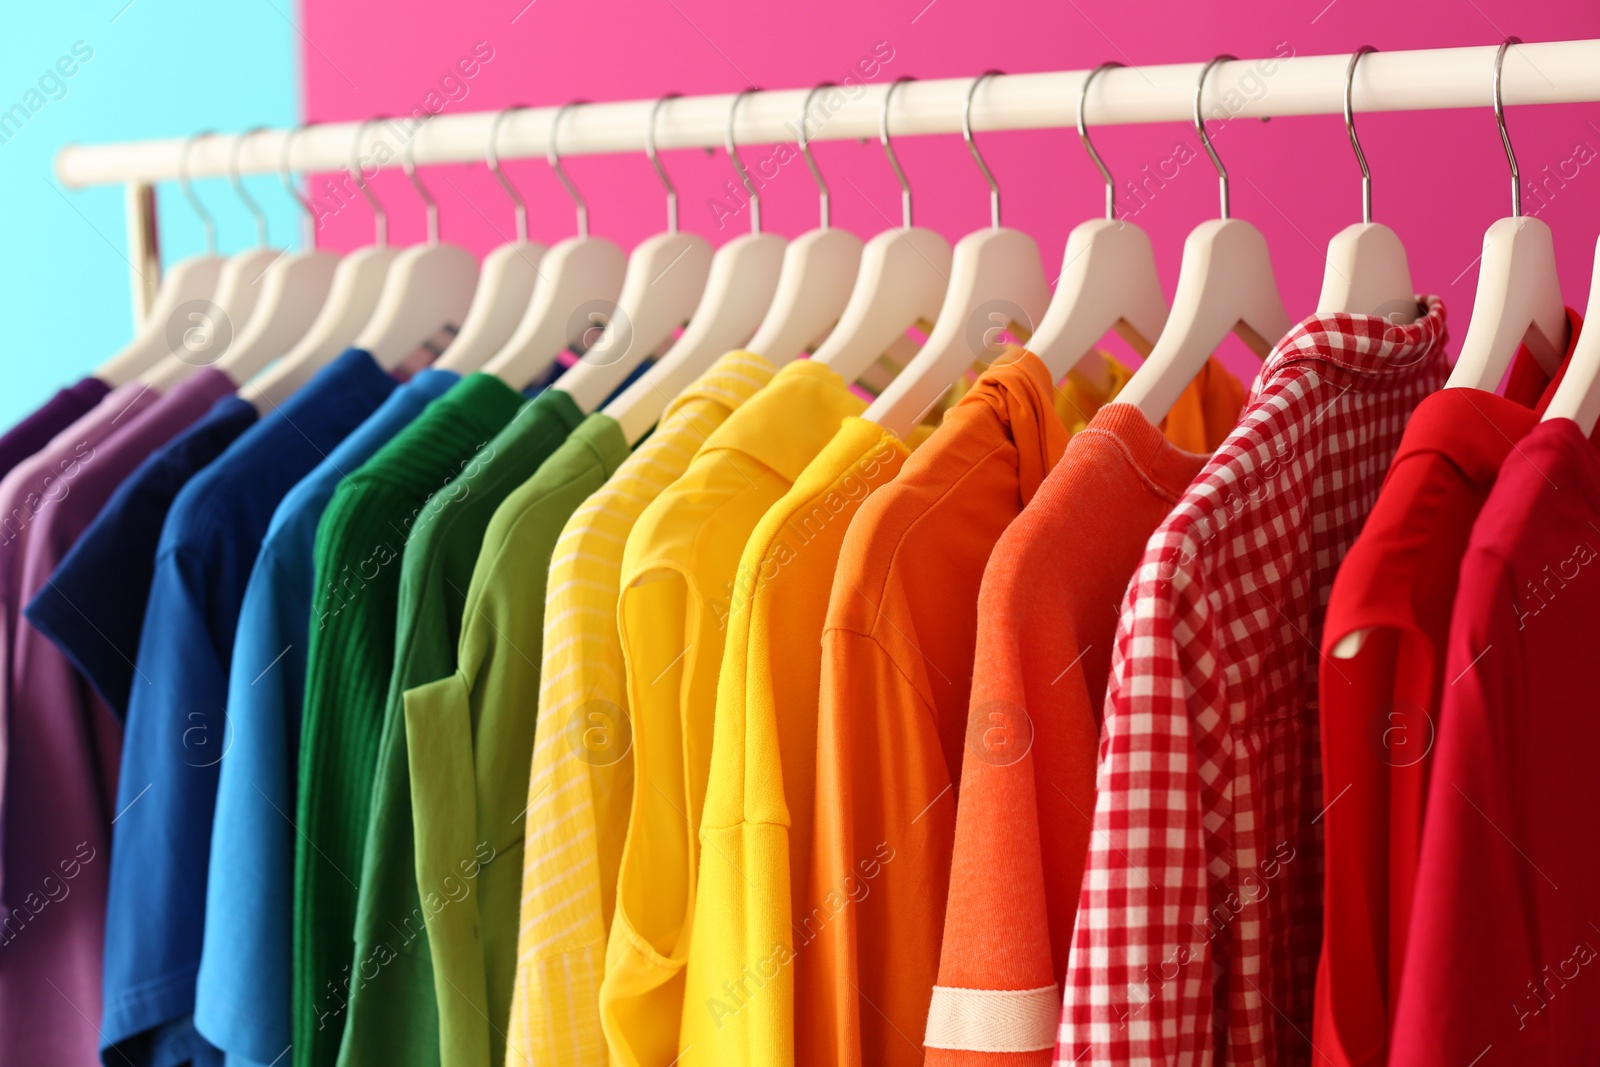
92 608
242 1002
177 727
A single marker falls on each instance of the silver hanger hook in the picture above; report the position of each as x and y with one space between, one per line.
308 218
1355 142
554 158
738 164
206 220
972 146
1500 120
805 149
1200 128
500 175
408 165
655 161
1083 134
380 217
888 149
238 183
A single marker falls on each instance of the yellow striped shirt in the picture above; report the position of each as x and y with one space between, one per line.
581 784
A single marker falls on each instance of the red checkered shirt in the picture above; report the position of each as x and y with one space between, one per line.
1200 917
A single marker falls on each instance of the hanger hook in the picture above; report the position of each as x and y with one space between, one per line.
380 217
308 219
888 149
1200 128
554 159
1500 120
972 146
238 183
493 160
1083 134
1355 142
408 164
738 164
206 220
655 161
805 149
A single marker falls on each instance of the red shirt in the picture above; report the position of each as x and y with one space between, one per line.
1199 922
1503 962
1380 707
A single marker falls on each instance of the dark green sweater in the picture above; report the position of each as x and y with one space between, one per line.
360 540
393 1017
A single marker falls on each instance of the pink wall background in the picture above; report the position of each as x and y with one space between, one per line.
1440 178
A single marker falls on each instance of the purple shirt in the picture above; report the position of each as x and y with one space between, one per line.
67 746
49 419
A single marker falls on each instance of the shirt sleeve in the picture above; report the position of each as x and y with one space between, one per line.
867 936
1139 983
647 946
175 739
1479 883
242 992
444 813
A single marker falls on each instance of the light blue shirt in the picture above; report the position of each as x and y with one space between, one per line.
242 1001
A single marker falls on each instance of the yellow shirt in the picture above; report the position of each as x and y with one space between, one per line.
678 581
581 781
739 1004
753 897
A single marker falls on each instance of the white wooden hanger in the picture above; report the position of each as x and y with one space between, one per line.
900 284
579 282
1108 280
1367 272
744 276
188 282
352 297
205 333
1578 396
428 288
665 278
505 282
1225 285
293 288
1519 294
996 282
819 268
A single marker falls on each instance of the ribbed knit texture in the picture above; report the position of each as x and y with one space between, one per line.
357 559
389 1012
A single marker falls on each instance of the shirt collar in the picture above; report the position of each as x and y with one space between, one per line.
1472 429
1366 346
732 379
785 425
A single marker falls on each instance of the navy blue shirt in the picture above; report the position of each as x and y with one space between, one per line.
92 608
177 729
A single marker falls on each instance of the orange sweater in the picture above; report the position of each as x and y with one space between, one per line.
1046 616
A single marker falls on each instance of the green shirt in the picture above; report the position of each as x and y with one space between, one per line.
472 737
386 1026
357 554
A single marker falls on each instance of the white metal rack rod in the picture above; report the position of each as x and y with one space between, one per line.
1426 79
1545 73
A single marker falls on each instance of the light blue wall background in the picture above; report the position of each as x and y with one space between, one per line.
160 68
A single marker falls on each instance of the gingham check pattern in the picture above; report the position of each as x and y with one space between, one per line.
1200 917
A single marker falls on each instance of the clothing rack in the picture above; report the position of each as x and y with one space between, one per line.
1553 72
